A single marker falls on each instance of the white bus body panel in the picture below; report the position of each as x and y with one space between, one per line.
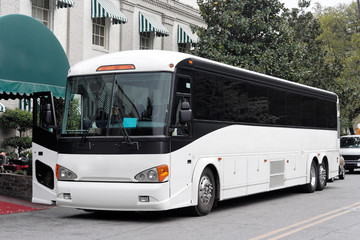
106 182
114 196
247 159
41 193
252 159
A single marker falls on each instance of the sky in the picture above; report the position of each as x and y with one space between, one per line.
325 3
290 3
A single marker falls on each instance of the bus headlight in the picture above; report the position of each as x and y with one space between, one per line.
64 174
156 174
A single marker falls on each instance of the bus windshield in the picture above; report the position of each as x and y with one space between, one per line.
136 104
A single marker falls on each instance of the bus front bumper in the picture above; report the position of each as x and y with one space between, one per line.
113 196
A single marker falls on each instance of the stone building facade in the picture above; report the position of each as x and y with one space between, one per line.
74 24
89 28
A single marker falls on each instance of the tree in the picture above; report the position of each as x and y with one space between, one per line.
314 69
341 36
20 120
250 34
20 143
320 50
265 37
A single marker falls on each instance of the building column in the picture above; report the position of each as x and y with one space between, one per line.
168 42
75 33
127 29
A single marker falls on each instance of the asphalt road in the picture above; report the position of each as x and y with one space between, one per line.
333 213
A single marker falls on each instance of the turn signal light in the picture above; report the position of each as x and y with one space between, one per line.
116 67
163 172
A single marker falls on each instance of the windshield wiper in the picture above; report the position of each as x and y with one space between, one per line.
128 140
126 134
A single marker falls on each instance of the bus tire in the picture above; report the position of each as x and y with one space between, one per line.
321 177
311 186
206 193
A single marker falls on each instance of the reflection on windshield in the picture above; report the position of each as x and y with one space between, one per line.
105 105
350 142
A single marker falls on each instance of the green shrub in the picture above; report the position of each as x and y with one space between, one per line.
20 143
20 120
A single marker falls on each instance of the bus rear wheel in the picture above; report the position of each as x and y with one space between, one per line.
321 177
311 186
206 193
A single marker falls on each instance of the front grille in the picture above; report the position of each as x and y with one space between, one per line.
351 157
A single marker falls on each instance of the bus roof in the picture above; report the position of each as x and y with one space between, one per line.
143 60
159 60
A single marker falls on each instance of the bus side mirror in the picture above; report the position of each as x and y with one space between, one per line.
47 120
185 112
48 115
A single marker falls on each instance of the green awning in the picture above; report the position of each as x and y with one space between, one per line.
148 23
64 3
31 59
106 9
185 35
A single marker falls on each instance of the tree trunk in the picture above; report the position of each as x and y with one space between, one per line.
358 5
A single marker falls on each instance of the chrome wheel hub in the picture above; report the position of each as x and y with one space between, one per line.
322 174
205 190
313 176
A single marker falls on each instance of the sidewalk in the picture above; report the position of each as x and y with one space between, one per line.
10 205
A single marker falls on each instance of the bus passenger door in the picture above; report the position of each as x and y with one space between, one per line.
44 149
181 148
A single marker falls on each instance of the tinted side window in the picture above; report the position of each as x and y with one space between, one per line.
219 98
277 109
183 84
307 111
222 98
208 97
293 109
258 104
320 113
235 101
331 115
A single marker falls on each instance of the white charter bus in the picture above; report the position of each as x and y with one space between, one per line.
157 130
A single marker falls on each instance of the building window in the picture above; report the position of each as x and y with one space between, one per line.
146 40
184 47
41 11
99 32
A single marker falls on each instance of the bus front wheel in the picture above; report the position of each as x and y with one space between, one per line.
206 193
